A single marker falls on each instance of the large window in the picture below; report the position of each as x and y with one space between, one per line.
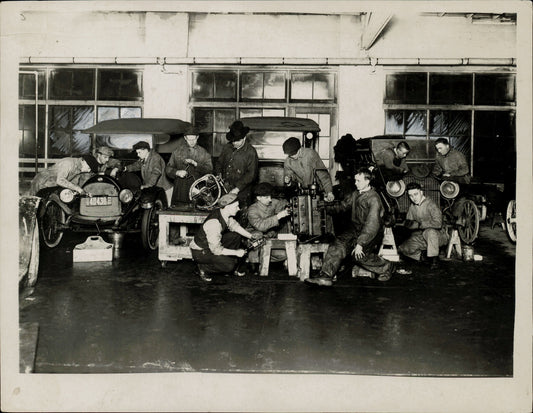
474 111
220 96
71 99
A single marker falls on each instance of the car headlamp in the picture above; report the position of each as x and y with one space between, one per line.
66 195
125 196
395 188
449 189
309 136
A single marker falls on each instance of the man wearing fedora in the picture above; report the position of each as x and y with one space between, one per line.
188 162
302 164
152 168
424 218
216 247
450 164
267 216
391 161
238 163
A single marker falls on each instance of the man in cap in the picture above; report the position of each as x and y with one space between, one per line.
66 173
188 162
301 165
216 246
424 218
152 168
450 164
391 161
361 235
266 216
108 165
238 163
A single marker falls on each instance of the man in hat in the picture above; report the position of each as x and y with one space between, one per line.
152 168
361 235
108 165
216 246
238 163
188 162
267 216
450 164
391 161
301 165
66 173
424 218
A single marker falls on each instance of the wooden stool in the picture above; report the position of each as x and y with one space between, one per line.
305 251
388 246
455 241
266 249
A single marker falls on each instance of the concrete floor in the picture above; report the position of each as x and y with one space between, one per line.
131 315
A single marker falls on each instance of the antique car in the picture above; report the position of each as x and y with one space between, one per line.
116 204
463 206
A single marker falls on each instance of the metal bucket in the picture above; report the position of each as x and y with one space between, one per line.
117 238
468 253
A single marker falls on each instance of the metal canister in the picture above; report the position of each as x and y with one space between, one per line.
468 253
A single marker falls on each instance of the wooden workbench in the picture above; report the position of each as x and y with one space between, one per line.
185 217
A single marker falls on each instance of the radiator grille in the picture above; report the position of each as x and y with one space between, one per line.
429 185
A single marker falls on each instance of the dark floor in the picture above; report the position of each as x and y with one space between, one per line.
131 315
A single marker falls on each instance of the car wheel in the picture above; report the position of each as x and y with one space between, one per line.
469 218
510 220
150 226
33 267
52 218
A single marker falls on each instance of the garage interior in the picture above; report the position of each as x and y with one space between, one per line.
352 71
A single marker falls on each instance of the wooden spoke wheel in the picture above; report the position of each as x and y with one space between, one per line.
469 219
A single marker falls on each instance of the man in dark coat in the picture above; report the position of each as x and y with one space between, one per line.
391 161
188 162
238 163
450 164
362 235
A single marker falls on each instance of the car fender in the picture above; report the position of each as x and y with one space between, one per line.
55 197
149 195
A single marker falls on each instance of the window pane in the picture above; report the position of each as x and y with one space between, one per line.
82 117
302 87
130 112
247 113
494 146
406 88
203 85
218 143
203 119
450 89
323 86
59 117
107 113
72 84
450 123
81 143
120 84
27 131
394 122
274 112
65 134
416 123
494 89
252 86
27 85
324 124
223 119
226 85
462 144
274 84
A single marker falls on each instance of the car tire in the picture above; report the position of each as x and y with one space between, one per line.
33 267
469 229
150 226
51 216
510 220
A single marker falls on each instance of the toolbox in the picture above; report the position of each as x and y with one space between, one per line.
93 249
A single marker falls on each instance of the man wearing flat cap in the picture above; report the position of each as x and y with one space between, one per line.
152 168
267 216
66 173
188 162
301 165
216 246
108 165
238 163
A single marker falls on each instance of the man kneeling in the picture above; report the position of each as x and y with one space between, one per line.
425 219
216 247
361 236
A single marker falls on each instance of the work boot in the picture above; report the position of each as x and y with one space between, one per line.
323 280
434 263
204 276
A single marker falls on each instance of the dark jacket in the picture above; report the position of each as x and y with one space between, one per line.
152 171
239 168
366 215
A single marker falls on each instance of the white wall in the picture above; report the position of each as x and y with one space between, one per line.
166 93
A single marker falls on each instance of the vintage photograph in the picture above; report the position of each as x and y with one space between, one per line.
229 192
